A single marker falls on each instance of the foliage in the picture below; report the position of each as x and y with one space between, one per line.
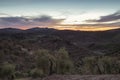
7 70
45 61
49 64
100 65
36 73
19 74
64 63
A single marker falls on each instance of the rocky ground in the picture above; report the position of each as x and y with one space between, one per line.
78 77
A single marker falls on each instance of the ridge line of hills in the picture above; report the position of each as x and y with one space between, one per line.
38 29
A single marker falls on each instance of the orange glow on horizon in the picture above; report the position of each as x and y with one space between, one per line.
87 28
24 28
76 28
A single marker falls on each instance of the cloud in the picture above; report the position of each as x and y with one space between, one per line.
108 18
13 19
4 14
21 22
47 20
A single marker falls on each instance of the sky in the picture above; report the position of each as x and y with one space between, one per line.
60 14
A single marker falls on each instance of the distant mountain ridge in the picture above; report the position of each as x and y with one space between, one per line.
47 29
81 37
31 30
13 30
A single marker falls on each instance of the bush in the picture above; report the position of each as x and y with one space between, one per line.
49 64
19 74
64 64
59 63
89 65
36 73
7 71
100 65
45 61
109 65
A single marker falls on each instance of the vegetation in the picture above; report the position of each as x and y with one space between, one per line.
7 71
40 55
47 64
64 63
37 73
101 65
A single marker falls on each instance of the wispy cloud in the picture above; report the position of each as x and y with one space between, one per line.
4 14
20 22
25 22
108 18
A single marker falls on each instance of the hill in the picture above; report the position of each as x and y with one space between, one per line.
88 52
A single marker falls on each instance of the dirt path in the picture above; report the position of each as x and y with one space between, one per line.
78 77
84 77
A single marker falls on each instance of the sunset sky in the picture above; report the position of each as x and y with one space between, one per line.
88 15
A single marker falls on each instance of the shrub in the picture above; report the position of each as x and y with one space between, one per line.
7 71
100 65
109 65
19 74
89 65
49 64
64 64
36 73
45 61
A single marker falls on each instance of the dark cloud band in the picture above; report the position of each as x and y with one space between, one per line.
112 17
28 22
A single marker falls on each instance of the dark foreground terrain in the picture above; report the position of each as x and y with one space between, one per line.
78 77
41 52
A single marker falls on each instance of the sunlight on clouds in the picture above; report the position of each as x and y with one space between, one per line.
80 19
